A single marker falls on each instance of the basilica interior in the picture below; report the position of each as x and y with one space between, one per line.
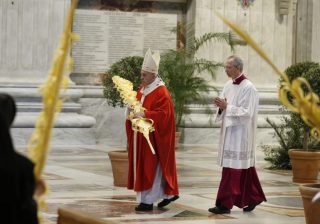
78 171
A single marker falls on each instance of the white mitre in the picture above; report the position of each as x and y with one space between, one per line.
151 61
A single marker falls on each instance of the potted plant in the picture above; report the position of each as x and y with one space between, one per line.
181 71
294 135
128 68
297 148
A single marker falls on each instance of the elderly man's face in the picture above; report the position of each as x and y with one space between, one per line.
147 77
232 71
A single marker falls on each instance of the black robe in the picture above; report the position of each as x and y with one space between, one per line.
17 186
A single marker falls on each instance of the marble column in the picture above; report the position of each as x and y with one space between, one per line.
315 48
304 30
307 31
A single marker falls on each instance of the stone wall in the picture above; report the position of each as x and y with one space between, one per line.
30 31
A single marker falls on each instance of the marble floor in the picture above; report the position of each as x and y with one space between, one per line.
81 179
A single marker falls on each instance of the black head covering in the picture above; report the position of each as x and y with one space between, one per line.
8 108
7 114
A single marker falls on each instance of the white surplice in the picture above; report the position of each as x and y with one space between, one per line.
239 125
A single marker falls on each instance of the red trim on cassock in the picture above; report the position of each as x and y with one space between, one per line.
239 187
159 108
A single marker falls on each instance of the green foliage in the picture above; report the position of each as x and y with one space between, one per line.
299 69
313 77
207 37
293 133
127 68
182 82
309 71
305 70
288 134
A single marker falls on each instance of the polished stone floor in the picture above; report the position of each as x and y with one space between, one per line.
81 179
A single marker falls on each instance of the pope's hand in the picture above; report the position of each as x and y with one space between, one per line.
139 114
129 107
129 112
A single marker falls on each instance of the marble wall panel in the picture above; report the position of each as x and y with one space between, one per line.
11 37
30 31
316 32
27 34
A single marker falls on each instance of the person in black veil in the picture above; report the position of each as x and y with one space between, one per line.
17 205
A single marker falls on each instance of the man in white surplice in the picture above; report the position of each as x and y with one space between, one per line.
238 111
